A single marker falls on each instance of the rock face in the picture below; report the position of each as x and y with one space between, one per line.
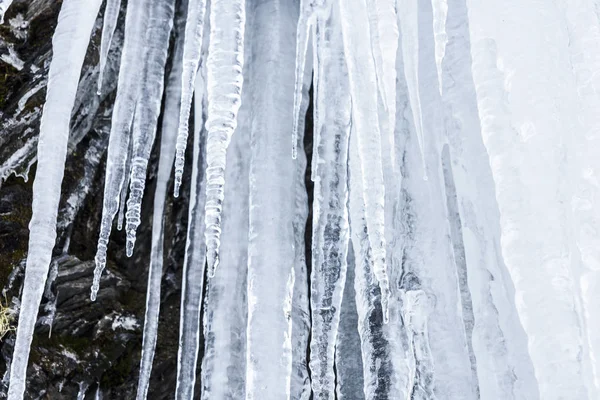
80 348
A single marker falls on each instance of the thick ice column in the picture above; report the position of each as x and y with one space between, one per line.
130 72
430 276
69 43
330 215
147 111
583 26
272 202
225 305
527 114
494 335
363 87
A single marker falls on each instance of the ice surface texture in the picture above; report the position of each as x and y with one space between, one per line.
433 234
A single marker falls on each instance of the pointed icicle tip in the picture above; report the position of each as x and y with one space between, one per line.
129 247
177 186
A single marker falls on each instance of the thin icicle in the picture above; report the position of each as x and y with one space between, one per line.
144 129
365 116
195 260
309 11
132 67
146 116
300 388
376 51
111 17
69 43
224 80
330 215
124 189
194 32
376 353
440 13
167 151
348 360
408 21
271 252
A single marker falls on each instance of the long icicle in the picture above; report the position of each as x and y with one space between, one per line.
365 115
300 381
272 203
144 129
69 43
111 17
146 116
195 258
194 32
224 80
225 311
330 214
132 66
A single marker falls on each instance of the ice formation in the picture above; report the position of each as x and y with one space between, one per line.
349 276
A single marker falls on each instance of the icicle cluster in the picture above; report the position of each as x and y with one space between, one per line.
453 234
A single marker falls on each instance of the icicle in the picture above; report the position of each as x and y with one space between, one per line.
494 334
364 105
408 21
309 10
300 388
132 67
330 215
146 116
144 129
224 360
124 189
194 32
225 306
376 352
70 41
111 17
348 360
440 13
167 151
224 87
4 4
272 203
376 51
195 259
